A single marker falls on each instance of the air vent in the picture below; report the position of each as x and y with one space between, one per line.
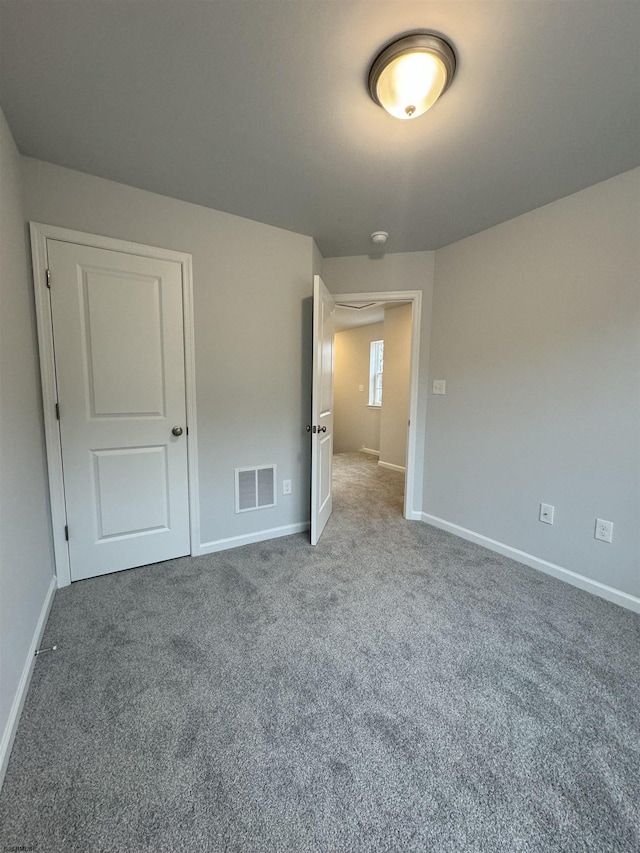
255 488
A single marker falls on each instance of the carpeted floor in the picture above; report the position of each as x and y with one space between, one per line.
394 689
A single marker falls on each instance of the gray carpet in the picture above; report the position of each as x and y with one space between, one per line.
394 689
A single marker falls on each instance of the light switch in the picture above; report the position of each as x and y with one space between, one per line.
546 513
439 386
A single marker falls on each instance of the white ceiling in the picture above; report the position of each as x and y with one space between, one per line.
260 107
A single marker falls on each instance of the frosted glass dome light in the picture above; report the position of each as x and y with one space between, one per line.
409 75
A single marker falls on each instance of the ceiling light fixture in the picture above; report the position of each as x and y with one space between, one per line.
409 75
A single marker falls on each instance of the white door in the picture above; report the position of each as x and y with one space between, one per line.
119 356
321 408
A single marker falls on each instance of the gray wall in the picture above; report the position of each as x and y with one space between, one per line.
26 555
536 329
380 273
316 260
355 423
396 385
252 296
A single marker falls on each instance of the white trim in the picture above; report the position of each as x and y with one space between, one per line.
617 596
48 383
415 297
250 538
190 395
9 733
369 450
40 233
392 467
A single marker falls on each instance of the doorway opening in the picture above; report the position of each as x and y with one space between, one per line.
322 396
376 347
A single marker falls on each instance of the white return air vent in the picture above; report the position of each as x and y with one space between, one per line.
255 488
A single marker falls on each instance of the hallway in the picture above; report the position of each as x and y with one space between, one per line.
363 492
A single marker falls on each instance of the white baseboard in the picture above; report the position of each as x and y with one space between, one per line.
392 467
250 538
624 599
9 733
369 450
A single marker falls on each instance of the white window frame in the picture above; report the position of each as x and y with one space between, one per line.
376 371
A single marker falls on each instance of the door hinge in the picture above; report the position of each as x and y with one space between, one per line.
66 532
48 272
57 411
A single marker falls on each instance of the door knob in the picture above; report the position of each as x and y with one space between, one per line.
177 430
322 429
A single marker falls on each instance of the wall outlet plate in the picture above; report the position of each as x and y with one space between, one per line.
439 386
286 487
604 530
546 513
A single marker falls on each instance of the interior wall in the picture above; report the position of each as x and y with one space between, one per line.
26 552
396 385
393 272
316 260
252 302
356 425
536 330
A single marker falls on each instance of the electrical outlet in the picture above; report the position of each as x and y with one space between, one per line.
604 530
439 386
546 513
360 387
286 487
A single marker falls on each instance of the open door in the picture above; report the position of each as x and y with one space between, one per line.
321 425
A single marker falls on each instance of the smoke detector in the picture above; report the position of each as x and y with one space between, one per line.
379 237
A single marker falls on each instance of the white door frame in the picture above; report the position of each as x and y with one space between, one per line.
39 235
415 297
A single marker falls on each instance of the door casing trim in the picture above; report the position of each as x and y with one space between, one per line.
40 233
